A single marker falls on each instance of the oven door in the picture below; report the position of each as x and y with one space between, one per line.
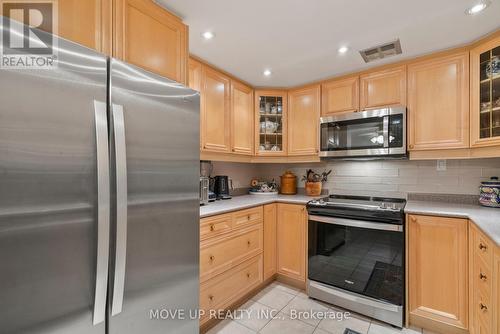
366 258
361 134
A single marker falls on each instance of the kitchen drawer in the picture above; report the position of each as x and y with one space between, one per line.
483 310
218 255
214 226
220 291
247 217
483 247
482 276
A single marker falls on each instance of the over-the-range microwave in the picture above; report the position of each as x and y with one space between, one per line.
379 133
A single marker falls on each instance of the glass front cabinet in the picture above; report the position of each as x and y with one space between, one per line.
271 113
485 94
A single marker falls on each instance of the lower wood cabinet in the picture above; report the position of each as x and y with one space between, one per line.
438 273
270 217
291 232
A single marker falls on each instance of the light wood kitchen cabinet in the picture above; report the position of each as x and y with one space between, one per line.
438 103
86 22
270 217
271 122
383 88
194 74
291 231
438 273
340 95
303 120
485 94
215 111
148 36
242 118
483 281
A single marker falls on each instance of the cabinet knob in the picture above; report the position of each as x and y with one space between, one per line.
212 227
248 275
411 146
413 219
482 247
248 217
211 298
212 258
482 277
483 307
249 243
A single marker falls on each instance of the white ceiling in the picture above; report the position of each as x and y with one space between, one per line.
298 39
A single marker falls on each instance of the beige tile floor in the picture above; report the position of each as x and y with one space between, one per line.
282 300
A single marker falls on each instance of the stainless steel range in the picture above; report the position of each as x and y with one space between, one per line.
356 255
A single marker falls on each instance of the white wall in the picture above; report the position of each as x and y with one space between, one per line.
395 177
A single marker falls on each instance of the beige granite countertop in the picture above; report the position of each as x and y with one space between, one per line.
487 219
248 201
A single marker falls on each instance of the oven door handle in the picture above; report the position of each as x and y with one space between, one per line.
357 223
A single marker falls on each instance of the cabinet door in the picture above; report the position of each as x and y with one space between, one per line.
270 217
383 88
86 22
438 273
215 111
303 120
242 118
438 103
485 94
148 36
194 77
291 236
271 118
340 96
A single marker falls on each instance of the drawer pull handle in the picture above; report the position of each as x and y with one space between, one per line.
249 243
413 219
248 275
212 227
248 217
211 298
483 247
212 258
482 277
483 307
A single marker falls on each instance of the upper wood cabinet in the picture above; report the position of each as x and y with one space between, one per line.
383 88
438 103
242 118
485 94
194 74
148 36
270 237
291 231
215 111
303 120
271 122
86 22
340 95
438 273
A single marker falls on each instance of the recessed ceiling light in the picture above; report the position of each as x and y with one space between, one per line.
478 7
343 49
208 35
267 73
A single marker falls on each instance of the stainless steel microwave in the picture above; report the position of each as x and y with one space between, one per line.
367 134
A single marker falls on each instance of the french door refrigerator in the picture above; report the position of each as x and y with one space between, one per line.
99 206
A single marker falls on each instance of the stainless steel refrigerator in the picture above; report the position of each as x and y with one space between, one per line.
99 204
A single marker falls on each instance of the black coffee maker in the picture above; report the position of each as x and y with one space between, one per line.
221 187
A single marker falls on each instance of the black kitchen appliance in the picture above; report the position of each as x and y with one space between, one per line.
221 187
356 254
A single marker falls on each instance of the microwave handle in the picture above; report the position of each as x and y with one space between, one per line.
386 131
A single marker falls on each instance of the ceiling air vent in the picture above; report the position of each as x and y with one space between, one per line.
381 51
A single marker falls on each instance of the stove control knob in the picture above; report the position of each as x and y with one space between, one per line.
393 206
383 206
321 202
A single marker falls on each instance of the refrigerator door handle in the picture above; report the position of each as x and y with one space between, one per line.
121 208
103 210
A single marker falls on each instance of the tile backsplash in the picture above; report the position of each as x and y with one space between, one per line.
394 178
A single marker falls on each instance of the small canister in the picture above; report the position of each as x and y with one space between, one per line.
288 183
489 193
